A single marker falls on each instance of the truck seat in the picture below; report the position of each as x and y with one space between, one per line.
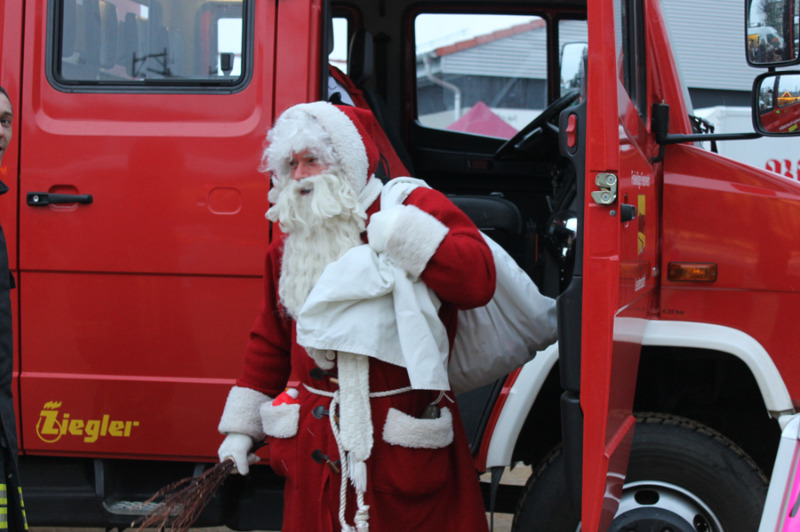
499 219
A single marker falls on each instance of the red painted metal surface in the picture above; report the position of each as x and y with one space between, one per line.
298 65
621 257
136 308
480 458
745 221
782 119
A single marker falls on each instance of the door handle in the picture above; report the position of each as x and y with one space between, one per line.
39 199
627 212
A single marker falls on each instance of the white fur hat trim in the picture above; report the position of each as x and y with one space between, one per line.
347 142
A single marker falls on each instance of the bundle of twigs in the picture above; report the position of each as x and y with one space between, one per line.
178 505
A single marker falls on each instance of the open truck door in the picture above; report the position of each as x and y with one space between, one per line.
614 285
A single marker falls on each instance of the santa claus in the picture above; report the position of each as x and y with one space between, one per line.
360 448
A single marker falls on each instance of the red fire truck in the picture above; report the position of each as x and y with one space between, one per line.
136 236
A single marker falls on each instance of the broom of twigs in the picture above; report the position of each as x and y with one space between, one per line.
178 505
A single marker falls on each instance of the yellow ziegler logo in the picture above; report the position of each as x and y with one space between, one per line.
50 427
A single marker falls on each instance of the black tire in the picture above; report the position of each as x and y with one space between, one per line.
682 476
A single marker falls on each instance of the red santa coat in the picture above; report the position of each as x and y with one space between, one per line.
415 485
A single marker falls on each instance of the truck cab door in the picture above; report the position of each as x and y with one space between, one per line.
141 229
620 259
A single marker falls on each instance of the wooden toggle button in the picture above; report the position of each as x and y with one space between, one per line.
322 458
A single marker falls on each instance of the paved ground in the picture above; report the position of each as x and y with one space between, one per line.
502 522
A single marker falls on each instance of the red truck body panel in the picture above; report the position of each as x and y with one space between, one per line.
158 279
132 312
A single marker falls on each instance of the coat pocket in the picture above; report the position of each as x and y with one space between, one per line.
416 433
280 424
417 457
280 421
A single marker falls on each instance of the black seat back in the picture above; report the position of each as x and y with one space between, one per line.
498 218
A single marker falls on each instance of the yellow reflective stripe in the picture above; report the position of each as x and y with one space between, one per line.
22 507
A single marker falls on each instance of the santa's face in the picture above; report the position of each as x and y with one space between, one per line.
319 215
305 164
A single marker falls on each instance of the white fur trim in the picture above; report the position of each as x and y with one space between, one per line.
344 136
368 196
416 433
416 238
280 421
355 418
241 412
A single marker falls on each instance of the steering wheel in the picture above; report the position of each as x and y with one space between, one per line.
541 122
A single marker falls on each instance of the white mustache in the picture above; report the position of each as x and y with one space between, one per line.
301 205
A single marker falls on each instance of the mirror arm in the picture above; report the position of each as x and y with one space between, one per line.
660 127
676 139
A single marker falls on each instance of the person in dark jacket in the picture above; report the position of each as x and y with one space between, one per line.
12 509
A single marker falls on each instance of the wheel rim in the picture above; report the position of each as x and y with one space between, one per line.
665 505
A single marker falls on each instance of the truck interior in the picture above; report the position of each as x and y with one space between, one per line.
445 113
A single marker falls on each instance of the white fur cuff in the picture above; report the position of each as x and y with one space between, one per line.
241 412
280 421
415 239
416 433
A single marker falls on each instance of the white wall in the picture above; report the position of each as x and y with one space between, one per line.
778 154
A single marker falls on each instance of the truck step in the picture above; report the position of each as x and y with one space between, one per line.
134 508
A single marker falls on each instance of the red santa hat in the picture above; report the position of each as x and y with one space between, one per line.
339 135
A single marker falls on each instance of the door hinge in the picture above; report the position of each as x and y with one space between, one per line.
607 193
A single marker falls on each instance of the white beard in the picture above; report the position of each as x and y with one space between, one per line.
319 215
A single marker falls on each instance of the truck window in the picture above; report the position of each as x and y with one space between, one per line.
631 42
341 41
107 44
480 74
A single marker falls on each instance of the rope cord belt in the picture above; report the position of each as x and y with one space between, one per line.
387 393
361 520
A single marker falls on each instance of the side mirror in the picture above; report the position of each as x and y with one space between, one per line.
771 32
563 230
573 55
776 104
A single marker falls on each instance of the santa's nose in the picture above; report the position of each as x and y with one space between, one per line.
303 170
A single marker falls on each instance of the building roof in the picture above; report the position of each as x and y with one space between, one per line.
489 37
517 51
707 39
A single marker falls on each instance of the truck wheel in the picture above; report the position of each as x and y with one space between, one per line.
682 476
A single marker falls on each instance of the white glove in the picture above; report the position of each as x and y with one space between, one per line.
237 447
381 226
